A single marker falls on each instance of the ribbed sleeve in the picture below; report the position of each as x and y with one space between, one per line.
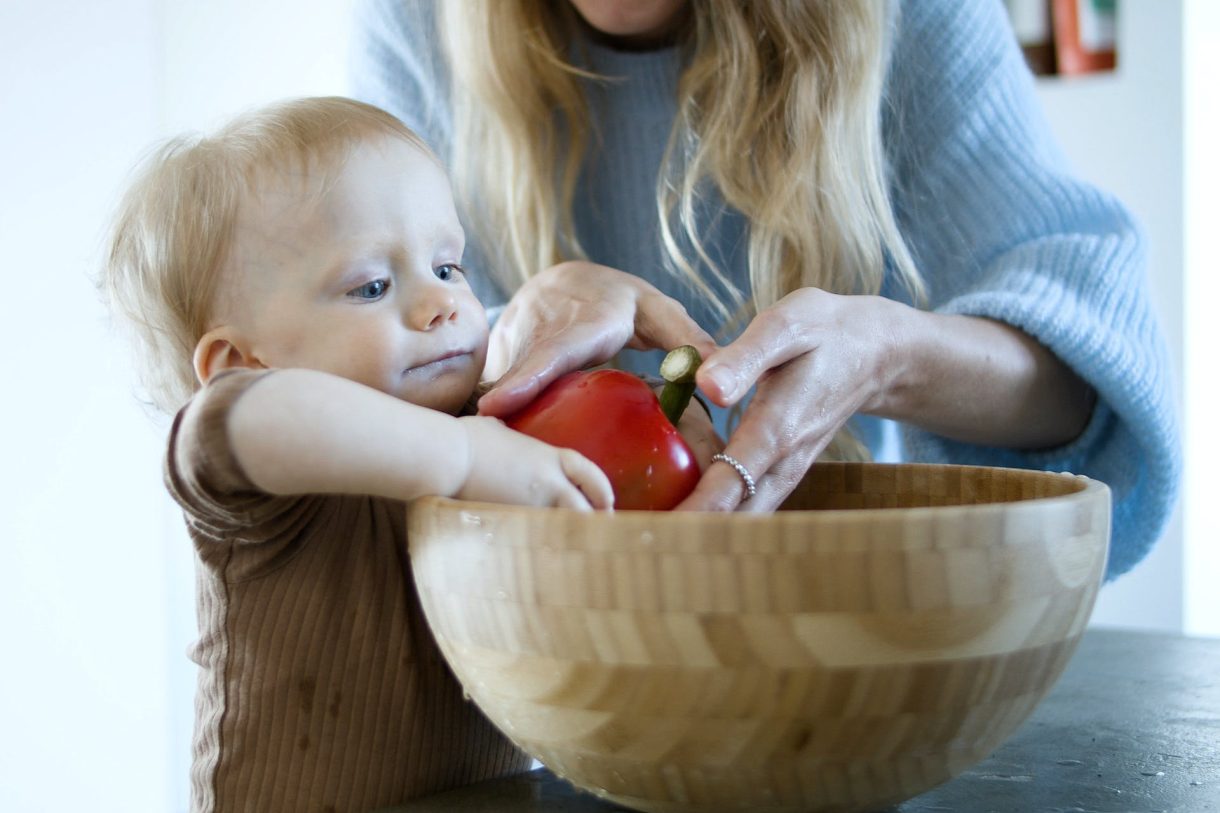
320 686
1001 228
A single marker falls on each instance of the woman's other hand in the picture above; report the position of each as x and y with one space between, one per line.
700 434
817 359
575 315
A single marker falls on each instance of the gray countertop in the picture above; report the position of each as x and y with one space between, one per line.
1133 726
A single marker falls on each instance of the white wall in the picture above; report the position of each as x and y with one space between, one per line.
1122 131
223 56
97 603
85 704
1202 293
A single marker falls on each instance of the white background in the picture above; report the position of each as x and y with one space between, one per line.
96 604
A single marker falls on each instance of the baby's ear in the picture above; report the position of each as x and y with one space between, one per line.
222 349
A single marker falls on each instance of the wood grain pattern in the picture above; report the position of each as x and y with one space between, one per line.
882 633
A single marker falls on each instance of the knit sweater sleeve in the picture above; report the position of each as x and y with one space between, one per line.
204 477
1000 228
396 63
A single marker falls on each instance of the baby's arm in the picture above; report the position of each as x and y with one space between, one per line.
308 432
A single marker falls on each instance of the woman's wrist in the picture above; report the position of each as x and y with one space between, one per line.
978 380
900 368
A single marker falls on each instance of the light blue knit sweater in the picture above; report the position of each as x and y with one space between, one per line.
997 223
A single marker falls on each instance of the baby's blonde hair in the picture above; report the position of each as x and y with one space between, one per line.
172 233
778 105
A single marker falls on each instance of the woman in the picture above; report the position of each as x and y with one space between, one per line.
859 201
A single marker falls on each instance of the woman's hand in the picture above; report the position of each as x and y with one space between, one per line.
817 359
509 467
574 315
700 434
697 429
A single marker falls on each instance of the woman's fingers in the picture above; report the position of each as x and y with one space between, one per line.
816 359
773 338
574 315
662 322
775 444
719 489
699 432
541 361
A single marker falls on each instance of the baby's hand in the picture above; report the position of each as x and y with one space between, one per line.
509 467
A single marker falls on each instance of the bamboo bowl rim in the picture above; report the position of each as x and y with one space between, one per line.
1077 488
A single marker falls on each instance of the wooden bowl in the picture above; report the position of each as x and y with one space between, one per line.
885 632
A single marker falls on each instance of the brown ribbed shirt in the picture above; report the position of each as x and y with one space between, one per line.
320 687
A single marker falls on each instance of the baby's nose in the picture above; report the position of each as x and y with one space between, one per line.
432 308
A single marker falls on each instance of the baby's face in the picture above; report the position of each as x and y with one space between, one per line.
362 279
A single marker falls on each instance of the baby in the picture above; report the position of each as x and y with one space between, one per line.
295 285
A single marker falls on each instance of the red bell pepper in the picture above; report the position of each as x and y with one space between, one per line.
614 419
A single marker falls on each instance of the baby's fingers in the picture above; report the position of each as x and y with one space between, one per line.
587 477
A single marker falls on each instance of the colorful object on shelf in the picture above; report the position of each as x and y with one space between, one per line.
1085 35
1066 37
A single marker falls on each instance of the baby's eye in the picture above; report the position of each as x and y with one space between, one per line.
371 290
448 271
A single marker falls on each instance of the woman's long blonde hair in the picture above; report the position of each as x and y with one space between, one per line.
779 106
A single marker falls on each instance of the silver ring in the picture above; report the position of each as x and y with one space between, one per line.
740 469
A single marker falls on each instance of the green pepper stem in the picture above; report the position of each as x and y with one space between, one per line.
678 370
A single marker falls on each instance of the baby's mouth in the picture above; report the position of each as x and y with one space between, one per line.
441 364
